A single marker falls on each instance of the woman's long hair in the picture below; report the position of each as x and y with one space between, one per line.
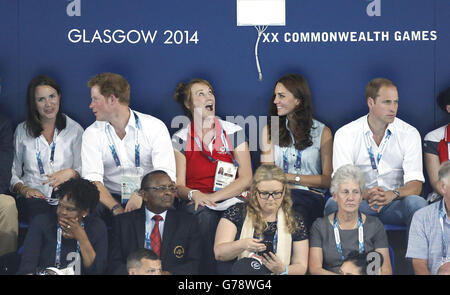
301 120
267 173
33 121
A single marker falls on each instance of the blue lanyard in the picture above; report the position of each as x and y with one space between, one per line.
441 221
58 246
52 153
137 156
338 239
225 145
383 145
298 161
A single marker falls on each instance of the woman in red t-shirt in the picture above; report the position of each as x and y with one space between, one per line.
199 148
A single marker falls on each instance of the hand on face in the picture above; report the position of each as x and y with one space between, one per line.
71 228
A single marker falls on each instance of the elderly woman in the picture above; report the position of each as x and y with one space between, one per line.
301 146
201 149
61 240
333 237
47 147
266 219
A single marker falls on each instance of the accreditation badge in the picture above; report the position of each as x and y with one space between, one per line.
129 184
225 174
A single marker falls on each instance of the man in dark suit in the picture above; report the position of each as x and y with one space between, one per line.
180 246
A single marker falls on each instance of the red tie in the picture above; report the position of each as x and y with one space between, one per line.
155 236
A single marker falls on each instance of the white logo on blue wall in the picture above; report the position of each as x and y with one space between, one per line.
374 8
74 8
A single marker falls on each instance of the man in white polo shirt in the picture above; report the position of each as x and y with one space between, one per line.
388 151
122 145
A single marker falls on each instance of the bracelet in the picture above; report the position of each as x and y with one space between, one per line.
285 272
115 207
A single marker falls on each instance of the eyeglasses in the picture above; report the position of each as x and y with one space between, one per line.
172 188
265 195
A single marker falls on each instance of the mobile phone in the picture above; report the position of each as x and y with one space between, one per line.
269 247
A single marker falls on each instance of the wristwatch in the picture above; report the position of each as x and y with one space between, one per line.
397 193
190 194
297 178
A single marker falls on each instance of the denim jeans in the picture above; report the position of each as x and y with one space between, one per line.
398 212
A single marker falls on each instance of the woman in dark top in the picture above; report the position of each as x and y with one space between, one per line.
71 238
266 219
335 236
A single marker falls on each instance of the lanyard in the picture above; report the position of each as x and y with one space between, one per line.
298 161
224 142
58 246
52 153
383 145
137 156
441 221
338 239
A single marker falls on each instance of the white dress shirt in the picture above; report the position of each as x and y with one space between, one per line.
401 159
25 167
156 152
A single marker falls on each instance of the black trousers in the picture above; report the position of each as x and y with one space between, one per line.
308 204
208 220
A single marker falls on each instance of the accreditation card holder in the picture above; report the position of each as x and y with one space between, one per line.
129 184
225 174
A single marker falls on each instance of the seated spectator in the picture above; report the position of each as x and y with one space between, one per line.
121 146
265 227
389 153
201 149
435 147
335 236
143 262
173 235
72 237
9 227
428 246
358 263
302 146
47 148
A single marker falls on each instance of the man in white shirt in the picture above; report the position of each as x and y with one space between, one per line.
389 153
122 145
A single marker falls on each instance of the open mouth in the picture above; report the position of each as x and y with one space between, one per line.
209 107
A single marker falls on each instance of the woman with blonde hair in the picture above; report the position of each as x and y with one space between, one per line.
265 228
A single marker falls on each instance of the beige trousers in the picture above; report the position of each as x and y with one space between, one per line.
9 224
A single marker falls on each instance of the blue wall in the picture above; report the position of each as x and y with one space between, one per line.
34 40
